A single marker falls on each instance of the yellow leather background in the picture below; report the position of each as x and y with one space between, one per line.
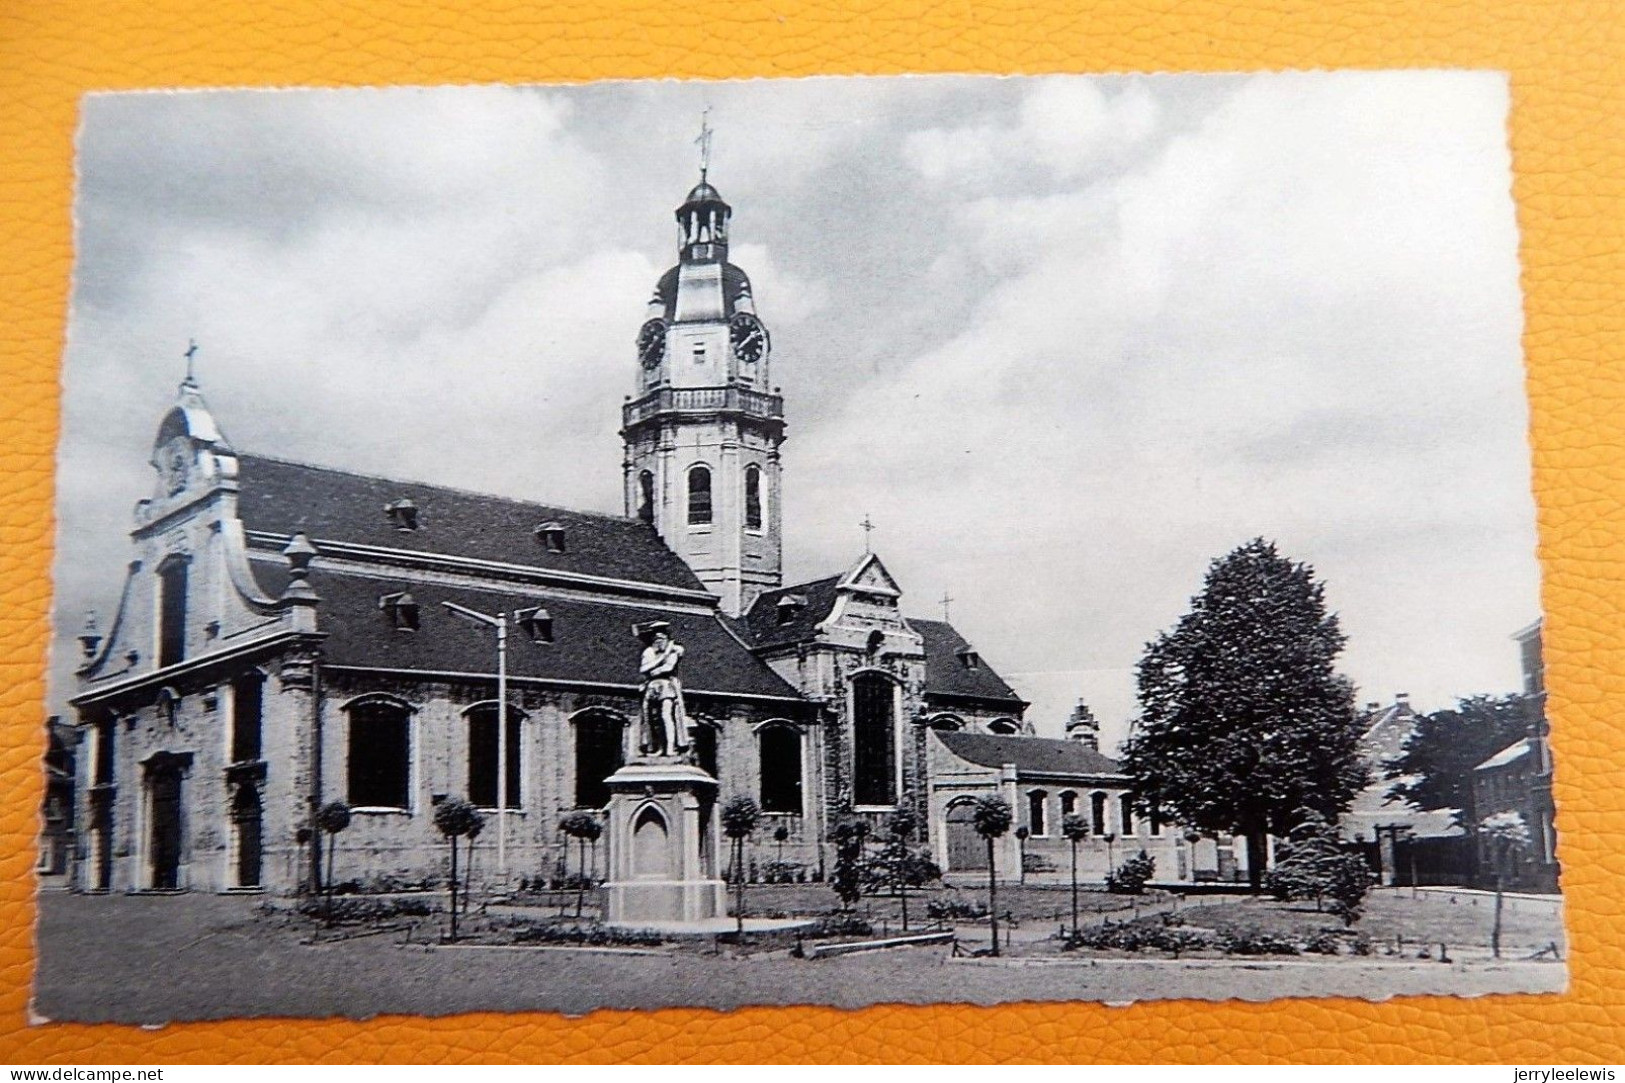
1568 134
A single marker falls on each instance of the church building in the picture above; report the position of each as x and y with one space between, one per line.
291 635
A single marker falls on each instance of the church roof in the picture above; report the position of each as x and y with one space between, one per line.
1030 755
946 673
702 192
735 284
593 641
762 621
334 505
1386 732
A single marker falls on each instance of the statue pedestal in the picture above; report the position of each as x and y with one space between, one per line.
663 845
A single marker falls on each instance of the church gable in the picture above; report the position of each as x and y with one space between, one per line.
870 577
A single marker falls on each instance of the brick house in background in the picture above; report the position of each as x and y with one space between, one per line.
1044 781
1518 779
1403 843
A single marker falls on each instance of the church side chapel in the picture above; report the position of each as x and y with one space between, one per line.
291 635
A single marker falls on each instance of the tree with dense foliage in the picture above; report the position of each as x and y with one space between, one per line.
333 818
456 818
992 818
847 881
739 818
584 828
1244 719
1506 836
1312 864
1303 860
1076 828
1435 768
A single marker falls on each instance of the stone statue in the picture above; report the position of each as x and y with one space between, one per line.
664 731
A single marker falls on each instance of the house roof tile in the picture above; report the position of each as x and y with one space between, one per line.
762 622
1030 755
283 497
946 673
593 640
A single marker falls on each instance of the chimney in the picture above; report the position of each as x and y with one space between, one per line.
1083 727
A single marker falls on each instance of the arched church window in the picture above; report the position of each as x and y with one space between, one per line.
1037 805
599 754
1097 813
646 497
172 611
874 770
699 495
1069 803
484 754
780 748
1125 813
1004 726
946 723
380 755
753 498
247 709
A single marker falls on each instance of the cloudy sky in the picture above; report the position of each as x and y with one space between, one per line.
1065 339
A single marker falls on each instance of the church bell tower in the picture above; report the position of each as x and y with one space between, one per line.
702 434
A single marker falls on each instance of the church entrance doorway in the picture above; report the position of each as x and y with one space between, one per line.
967 851
247 826
164 840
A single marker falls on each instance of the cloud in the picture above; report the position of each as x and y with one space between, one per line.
1299 319
1066 339
1065 126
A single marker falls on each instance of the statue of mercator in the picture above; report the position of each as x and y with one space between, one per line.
664 730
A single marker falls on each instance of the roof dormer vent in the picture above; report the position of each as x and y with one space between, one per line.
789 605
402 610
551 535
537 623
969 658
403 514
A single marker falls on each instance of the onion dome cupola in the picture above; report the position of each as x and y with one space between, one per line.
702 225
189 453
702 311
703 431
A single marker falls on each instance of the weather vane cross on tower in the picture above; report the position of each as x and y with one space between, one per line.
946 600
868 528
191 352
704 143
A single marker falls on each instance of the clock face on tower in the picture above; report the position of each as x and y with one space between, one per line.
652 343
748 337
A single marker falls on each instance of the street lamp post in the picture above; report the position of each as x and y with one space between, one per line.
500 623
